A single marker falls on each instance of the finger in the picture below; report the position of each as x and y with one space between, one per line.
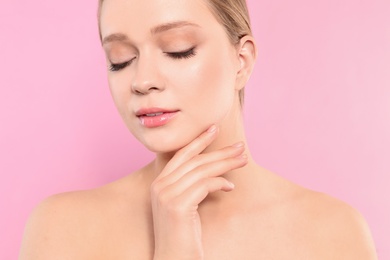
227 152
192 149
193 196
206 171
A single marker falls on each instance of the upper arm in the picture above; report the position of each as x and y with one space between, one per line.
359 243
348 235
48 233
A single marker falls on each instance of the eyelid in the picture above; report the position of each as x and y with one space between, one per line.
182 54
119 66
186 54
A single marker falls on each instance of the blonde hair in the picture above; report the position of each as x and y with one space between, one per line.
233 16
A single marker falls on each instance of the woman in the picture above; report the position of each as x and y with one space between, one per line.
177 70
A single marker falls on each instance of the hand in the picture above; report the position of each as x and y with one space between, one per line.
185 182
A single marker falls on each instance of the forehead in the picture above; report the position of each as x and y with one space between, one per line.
137 17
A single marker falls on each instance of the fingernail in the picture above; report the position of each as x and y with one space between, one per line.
243 156
212 129
238 145
231 184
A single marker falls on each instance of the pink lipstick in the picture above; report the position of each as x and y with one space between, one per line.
155 117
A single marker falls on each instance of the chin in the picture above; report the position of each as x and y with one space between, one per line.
165 143
170 138
164 147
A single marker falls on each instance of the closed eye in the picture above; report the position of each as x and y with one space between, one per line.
182 55
175 55
119 66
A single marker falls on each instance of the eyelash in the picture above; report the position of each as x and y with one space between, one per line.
182 55
174 55
118 66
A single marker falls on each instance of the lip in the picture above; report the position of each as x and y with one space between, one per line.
165 115
153 110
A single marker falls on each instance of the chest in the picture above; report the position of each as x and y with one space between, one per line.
253 238
259 238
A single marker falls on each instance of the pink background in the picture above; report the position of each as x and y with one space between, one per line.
317 106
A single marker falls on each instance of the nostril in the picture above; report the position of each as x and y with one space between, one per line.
138 92
145 88
153 88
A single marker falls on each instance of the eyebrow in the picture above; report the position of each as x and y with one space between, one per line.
114 38
172 25
155 30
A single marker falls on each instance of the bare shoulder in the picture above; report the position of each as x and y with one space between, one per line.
343 230
321 226
73 225
51 226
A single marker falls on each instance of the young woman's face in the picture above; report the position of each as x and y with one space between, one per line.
172 55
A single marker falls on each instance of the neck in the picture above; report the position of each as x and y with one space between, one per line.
231 130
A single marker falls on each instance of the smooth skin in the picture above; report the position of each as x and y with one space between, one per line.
203 197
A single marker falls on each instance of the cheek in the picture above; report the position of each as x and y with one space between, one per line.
121 95
117 90
117 94
213 84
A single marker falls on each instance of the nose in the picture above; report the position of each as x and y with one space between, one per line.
146 78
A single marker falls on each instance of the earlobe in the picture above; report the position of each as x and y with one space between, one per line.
247 54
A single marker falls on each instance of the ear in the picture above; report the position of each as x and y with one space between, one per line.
247 54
